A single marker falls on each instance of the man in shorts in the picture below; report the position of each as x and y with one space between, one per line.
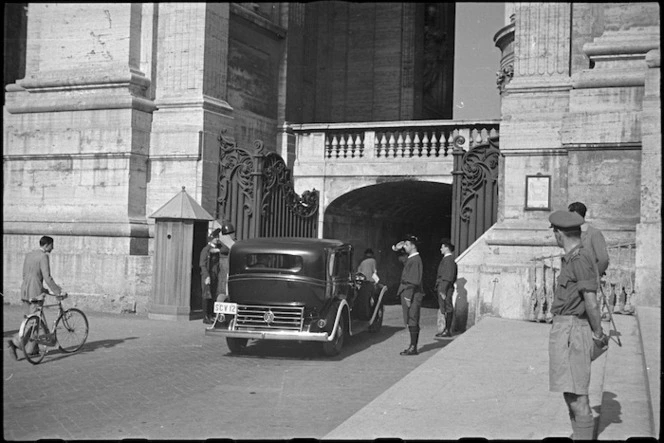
576 323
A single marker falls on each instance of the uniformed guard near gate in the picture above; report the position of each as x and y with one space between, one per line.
576 323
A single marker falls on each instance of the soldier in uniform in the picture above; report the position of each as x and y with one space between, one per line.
210 274
576 323
226 241
411 292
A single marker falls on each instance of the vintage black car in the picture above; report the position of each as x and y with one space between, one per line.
301 289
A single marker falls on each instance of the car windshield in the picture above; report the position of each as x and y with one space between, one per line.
285 262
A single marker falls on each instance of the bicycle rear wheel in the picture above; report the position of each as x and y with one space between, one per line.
32 329
71 330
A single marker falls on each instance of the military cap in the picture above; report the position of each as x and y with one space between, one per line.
566 220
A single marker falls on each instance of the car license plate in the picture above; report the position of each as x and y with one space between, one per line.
225 308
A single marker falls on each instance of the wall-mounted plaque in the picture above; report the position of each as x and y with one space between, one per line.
538 192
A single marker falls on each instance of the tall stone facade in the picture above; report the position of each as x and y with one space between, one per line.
121 104
586 115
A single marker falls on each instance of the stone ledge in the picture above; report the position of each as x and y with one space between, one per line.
89 229
650 327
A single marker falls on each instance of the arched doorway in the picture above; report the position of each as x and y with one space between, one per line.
377 216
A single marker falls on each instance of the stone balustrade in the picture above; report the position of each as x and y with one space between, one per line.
617 285
425 139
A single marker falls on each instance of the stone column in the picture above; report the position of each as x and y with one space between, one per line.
191 92
648 284
76 140
533 104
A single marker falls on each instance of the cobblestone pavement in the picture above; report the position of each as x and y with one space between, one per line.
140 378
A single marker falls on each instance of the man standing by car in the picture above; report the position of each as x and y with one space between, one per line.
411 292
36 270
210 274
446 276
226 241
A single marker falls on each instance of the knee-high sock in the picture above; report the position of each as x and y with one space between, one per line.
583 427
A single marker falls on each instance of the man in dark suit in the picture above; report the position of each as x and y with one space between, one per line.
447 275
36 270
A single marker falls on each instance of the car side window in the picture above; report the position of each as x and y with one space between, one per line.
341 263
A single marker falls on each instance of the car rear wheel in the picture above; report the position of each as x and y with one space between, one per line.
236 345
378 321
332 348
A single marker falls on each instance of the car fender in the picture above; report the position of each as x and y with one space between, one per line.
378 303
340 311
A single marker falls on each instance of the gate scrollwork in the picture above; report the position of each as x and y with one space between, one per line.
235 165
255 192
480 169
277 178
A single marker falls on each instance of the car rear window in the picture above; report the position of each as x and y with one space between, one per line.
283 262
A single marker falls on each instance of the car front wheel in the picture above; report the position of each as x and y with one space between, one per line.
332 348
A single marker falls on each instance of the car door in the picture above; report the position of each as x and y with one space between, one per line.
341 273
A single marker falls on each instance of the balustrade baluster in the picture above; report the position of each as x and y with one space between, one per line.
435 147
417 144
399 152
425 144
335 146
358 146
382 147
408 146
343 146
392 147
450 140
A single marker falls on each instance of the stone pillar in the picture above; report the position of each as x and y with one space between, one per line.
533 105
191 92
603 129
648 284
76 139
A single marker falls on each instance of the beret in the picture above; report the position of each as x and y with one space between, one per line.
565 220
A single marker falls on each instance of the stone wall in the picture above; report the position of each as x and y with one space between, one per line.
575 113
76 139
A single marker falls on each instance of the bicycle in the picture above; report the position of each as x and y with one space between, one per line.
70 330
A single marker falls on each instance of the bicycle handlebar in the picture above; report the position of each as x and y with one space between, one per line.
62 296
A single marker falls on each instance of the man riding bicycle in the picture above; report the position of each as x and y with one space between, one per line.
36 269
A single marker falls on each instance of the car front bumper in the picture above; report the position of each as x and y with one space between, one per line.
270 335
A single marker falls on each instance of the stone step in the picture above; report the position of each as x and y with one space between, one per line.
625 406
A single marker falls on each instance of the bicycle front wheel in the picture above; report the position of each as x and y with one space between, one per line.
71 330
34 348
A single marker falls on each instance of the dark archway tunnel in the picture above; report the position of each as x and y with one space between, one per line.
377 216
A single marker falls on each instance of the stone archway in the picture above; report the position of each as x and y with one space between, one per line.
376 216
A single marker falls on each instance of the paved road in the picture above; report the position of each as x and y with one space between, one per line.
140 378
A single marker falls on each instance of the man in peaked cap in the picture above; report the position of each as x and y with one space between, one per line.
576 323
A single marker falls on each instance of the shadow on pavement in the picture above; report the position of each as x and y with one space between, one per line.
7 334
610 409
312 350
57 354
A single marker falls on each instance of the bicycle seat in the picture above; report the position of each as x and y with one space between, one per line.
37 301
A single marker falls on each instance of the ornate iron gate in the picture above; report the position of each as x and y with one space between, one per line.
256 194
475 191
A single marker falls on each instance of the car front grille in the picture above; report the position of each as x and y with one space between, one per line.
257 317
